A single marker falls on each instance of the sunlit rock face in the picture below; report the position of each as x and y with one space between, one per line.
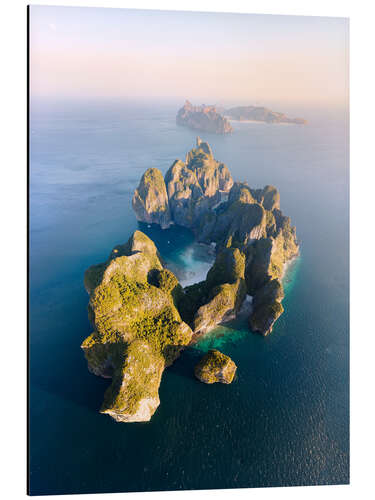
150 200
196 185
231 216
215 367
138 330
142 317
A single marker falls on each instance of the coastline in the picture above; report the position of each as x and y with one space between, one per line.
259 122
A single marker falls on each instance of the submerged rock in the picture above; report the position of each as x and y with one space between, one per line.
215 367
150 200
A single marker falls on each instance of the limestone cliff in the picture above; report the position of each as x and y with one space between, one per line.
204 118
215 367
137 327
236 218
196 185
150 200
217 299
141 316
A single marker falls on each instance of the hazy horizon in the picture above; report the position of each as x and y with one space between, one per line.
216 58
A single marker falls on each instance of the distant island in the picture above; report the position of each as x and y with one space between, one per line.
203 118
216 120
142 318
260 114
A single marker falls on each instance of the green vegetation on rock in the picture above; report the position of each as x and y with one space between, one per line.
264 317
215 367
150 200
141 316
229 266
133 395
137 327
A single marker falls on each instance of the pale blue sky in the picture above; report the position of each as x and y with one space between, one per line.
136 53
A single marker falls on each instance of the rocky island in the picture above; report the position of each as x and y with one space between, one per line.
141 316
260 114
203 118
215 367
216 120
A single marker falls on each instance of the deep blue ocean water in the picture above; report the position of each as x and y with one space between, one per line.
285 419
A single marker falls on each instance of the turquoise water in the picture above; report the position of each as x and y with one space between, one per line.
285 418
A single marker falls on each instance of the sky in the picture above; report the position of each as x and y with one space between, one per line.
204 57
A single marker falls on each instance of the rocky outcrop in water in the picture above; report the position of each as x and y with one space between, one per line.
261 114
215 367
138 330
204 118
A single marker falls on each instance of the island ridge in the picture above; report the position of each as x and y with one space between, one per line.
213 119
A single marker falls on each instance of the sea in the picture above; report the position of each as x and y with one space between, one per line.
284 421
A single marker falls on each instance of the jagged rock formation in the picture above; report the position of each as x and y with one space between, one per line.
150 200
142 318
204 118
220 296
246 225
190 189
137 327
196 185
215 367
261 114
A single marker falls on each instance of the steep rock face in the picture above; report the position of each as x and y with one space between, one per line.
258 113
234 224
202 196
215 367
252 221
219 298
150 200
133 395
196 185
269 197
265 265
224 301
205 118
264 317
137 327
241 192
185 194
212 175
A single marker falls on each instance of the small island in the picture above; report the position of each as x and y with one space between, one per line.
215 367
203 118
260 114
143 318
